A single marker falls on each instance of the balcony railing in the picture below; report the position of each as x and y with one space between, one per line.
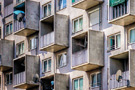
123 83
18 25
19 78
47 39
79 57
8 10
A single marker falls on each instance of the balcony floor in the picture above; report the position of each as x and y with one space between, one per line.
86 4
4 68
25 32
86 67
25 86
53 48
124 88
48 19
123 20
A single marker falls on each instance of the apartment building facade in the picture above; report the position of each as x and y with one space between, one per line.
67 44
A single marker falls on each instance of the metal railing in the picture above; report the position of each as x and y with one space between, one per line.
8 10
18 25
124 82
47 39
19 78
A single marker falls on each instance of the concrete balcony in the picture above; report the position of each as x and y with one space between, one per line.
124 17
26 69
126 64
61 82
87 50
28 23
54 35
6 55
85 4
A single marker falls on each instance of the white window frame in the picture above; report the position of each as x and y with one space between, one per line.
47 9
96 79
35 43
9 78
17 48
129 35
58 65
98 9
43 69
78 82
10 32
115 47
73 31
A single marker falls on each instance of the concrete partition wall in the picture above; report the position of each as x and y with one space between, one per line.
6 52
61 29
96 47
32 13
132 67
61 82
32 67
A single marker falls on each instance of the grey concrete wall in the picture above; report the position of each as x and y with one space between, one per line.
32 67
96 47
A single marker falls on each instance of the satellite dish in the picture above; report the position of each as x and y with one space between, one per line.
36 78
119 75
20 17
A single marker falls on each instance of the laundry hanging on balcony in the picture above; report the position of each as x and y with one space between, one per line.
116 2
19 15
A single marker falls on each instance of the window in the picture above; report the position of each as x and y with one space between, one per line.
96 80
114 41
47 10
8 78
132 36
78 84
62 60
19 1
9 29
73 1
119 10
47 65
94 17
77 24
62 4
33 43
20 48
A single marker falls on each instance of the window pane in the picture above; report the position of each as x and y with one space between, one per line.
62 4
93 80
64 59
76 26
94 18
73 1
76 84
132 36
80 24
22 48
45 11
7 29
49 65
118 41
81 84
7 79
99 79
11 28
49 9
60 60
19 47
45 66
10 79
112 42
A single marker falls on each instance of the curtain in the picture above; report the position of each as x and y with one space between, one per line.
132 36
45 66
60 60
64 59
81 84
99 79
73 1
80 24
112 43
75 25
76 84
49 65
118 41
93 80
62 4
94 18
